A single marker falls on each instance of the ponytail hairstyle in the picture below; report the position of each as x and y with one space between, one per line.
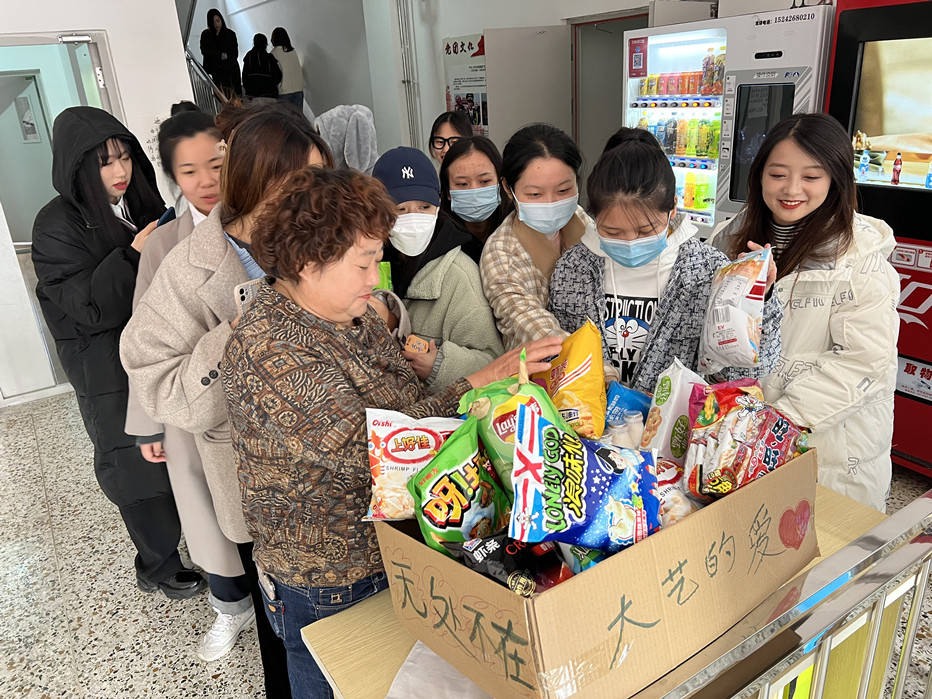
827 232
184 124
633 171
462 148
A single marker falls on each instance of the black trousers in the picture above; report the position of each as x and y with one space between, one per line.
271 647
140 489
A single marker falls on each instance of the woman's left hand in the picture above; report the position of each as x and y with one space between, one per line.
422 362
772 270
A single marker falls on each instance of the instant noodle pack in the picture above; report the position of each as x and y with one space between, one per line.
552 560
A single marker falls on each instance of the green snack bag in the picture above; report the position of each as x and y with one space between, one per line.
385 276
495 406
456 497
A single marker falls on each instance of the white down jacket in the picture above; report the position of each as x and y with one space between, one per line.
837 369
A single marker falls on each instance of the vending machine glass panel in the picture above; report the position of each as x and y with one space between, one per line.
758 108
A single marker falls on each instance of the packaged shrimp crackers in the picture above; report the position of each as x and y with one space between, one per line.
399 447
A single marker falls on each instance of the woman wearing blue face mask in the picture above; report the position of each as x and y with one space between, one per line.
471 190
540 169
641 273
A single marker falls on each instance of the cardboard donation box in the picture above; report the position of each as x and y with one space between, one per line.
615 628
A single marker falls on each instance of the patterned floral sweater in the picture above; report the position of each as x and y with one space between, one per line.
298 388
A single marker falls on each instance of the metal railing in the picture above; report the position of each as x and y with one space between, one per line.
207 96
848 591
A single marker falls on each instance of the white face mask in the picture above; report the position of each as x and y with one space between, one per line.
411 233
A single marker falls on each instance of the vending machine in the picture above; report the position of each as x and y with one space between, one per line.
879 90
710 90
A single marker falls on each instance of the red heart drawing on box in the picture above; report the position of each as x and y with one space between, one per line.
794 524
787 603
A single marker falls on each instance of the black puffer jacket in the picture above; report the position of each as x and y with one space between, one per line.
86 274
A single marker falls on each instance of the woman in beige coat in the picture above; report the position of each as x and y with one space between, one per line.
172 346
192 154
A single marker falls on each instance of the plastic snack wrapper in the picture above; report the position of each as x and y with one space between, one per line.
495 408
415 344
731 333
579 558
667 427
621 398
579 492
737 438
399 447
456 496
523 568
675 504
576 381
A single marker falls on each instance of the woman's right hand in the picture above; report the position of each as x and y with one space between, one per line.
507 364
140 240
153 452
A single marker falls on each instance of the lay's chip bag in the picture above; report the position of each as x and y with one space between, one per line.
456 496
495 407
576 381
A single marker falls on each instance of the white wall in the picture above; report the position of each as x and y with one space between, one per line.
329 36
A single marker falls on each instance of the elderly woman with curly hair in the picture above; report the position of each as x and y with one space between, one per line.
306 359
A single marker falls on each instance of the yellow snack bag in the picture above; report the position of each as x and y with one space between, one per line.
575 382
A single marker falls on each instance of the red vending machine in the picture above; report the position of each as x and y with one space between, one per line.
879 89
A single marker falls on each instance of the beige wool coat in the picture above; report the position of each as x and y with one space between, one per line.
171 350
207 545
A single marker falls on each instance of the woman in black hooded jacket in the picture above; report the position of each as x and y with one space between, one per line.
261 72
220 52
85 248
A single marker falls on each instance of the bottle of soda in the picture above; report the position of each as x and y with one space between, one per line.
897 168
682 136
692 138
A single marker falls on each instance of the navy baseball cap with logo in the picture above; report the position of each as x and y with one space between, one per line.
408 175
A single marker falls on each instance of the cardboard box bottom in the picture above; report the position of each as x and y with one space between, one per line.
615 628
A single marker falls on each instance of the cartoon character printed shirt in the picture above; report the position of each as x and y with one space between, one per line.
630 308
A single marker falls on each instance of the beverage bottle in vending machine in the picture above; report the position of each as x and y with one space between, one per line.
863 165
708 72
682 136
669 136
642 87
683 87
673 83
652 84
712 150
660 128
703 196
689 191
718 77
702 147
642 122
692 138
897 168
929 177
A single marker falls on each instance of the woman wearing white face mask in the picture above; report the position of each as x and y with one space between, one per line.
438 283
641 273
540 169
471 190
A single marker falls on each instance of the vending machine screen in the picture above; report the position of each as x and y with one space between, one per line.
759 107
892 128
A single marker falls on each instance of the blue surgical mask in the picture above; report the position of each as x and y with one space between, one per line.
635 253
548 218
475 205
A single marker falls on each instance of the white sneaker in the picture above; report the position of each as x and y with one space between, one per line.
222 636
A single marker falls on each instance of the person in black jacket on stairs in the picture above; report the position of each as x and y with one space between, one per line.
86 245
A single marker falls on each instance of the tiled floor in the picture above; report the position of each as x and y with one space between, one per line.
73 624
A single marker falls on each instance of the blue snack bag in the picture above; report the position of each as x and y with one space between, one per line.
579 492
621 399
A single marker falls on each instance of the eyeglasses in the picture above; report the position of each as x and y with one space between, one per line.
438 143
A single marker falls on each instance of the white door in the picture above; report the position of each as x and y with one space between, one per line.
529 74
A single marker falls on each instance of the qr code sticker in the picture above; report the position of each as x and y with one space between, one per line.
637 61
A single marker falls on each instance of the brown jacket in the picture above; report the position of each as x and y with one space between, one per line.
171 349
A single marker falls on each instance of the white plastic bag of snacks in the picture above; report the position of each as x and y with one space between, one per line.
731 333
668 426
399 447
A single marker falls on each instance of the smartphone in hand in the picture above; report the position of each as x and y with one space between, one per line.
169 215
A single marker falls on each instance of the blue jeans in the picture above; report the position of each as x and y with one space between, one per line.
295 608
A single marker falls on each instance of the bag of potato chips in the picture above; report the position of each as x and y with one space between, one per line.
399 447
576 381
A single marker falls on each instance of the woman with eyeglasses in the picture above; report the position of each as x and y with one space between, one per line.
448 128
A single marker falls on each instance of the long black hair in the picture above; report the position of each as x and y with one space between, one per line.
280 38
537 141
142 199
633 171
460 149
827 232
182 125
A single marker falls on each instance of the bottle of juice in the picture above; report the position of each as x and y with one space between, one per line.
702 148
708 72
673 84
712 150
642 122
692 138
701 198
652 84
669 136
695 82
642 87
718 78
683 87
689 191
682 136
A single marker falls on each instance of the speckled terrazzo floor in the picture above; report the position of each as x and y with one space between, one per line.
73 624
